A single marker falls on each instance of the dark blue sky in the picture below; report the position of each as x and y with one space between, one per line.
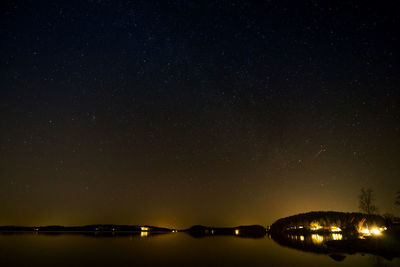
182 112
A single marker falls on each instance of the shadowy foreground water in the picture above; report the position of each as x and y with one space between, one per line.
179 249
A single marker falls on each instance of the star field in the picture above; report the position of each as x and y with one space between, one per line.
180 112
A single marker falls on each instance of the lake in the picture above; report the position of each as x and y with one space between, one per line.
31 249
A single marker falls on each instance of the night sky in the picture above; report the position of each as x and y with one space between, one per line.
175 113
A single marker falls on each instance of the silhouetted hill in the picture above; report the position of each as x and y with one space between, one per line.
336 234
16 228
87 228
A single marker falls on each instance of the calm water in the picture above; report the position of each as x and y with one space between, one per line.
167 249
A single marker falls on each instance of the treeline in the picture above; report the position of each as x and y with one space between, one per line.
345 220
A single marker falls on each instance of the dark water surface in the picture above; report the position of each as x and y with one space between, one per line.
167 249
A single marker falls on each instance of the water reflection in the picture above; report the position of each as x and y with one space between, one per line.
144 234
317 239
251 231
174 249
337 245
105 234
337 236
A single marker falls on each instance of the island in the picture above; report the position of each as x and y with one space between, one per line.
93 230
338 234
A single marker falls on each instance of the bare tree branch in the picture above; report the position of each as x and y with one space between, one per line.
397 198
366 201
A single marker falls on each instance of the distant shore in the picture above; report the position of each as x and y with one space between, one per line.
144 230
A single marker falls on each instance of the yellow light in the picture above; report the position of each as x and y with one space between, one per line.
236 231
317 238
375 231
144 234
302 237
335 229
144 229
337 236
365 231
314 226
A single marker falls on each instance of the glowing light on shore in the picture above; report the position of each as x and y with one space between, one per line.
144 231
372 231
365 232
335 229
236 231
314 226
302 238
375 231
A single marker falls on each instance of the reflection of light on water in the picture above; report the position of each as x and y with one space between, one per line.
317 238
144 234
337 236
236 231
144 231
315 226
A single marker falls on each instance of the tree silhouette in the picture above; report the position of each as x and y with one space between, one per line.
366 201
